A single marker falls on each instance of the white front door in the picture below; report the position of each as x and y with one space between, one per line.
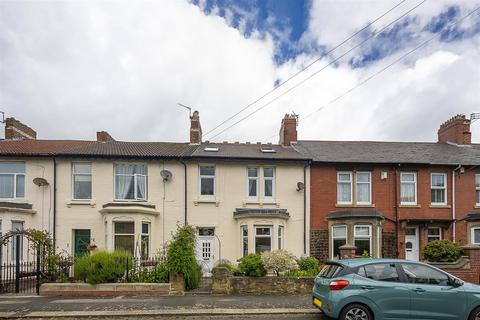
206 249
412 251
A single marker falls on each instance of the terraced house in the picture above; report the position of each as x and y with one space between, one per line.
108 194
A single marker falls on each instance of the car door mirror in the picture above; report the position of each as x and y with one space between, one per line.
454 282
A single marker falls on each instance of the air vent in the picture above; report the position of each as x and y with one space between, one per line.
211 149
268 150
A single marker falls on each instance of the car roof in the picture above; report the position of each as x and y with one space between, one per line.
352 263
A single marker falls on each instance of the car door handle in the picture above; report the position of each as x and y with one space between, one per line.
419 290
367 287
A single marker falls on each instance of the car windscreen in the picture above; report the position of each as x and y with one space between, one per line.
330 271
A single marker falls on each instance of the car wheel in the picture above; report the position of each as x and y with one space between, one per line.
357 312
475 315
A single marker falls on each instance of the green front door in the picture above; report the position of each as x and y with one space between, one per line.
81 241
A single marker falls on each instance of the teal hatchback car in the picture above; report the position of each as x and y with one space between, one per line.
381 289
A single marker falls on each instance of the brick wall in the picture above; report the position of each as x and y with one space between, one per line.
389 248
470 273
319 244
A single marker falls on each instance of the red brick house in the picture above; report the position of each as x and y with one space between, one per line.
388 199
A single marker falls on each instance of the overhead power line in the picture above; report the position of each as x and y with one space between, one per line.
304 68
385 68
375 34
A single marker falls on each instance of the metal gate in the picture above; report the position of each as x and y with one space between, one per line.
22 263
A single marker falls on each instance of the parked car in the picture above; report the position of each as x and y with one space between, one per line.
381 289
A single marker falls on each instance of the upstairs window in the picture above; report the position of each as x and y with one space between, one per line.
364 187
269 183
252 183
130 182
82 181
438 184
408 188
344 187
477 188
207 181
12 180
354 183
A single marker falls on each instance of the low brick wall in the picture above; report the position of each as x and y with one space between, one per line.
105 289
225 283
469 271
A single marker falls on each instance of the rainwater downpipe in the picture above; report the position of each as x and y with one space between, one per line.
305 209
185 190
54 203
454 213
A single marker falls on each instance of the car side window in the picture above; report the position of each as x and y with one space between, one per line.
380 272
420 274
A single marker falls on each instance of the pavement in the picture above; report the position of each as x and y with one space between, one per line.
155 307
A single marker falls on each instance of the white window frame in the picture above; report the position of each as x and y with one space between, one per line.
257 179
263 236
149 235
135 176
409 182
439 237
242 238
200 176
268 198
82 174
343 226
15 180
444 188
369 187
477 189
472 235
281 237
362 237
350 173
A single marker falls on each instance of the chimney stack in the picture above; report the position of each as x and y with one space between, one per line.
104 136
288 130
456 130
195 129
15 130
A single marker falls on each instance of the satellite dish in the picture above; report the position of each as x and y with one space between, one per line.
166 175
300 186
41 182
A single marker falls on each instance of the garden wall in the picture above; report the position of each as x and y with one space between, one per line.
469 271
105 289
225 283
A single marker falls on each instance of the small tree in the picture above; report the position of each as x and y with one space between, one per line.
442 251
252 266
279 261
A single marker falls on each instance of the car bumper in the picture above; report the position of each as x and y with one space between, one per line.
323 303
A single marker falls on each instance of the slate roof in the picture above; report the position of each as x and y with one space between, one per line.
39 147
389 152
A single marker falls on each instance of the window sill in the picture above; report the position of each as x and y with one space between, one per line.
213 201
477 206
440 206
73 202
261 203
345 205
412 206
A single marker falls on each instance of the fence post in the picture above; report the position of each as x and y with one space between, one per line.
38 268
17 263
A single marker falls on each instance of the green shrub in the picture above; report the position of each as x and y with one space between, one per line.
308 264
442 251
102 267
233 270
181 256
301 273
252 266
159 274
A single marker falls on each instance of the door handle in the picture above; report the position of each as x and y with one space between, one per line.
419 290
367 287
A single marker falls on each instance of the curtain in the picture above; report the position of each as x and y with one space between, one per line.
20 193
252 188
407 192
124 181
363 192
344 192
268 188
141 186
6 186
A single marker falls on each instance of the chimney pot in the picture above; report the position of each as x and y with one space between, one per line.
16 130
195 128
288 129
455 130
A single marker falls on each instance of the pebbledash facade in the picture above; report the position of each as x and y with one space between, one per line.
242 198
389 199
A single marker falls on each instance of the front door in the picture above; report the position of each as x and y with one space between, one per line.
81 241
206 249
412 251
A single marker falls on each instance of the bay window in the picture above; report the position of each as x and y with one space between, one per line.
207 181
363 239
124 236
280 237
244 239
145 241
475 237
82 181
263 239
408 188
344 187
339 238
12 180
130 182
438 185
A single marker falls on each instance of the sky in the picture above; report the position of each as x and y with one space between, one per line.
71 68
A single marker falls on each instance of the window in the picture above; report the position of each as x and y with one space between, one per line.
263 239
124 236
12 180
130 182
206 232
434 234
145 241
380 272
408 188
420 274
344 187
439 188
339 238
477 188
82 181
475 235
363 239
252 183
330 271
17 242
363 187
207 180
269 183
244 232
280 237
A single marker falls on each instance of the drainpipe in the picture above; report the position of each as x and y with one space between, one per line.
454 213
305 209
395 188
54 203
185 190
